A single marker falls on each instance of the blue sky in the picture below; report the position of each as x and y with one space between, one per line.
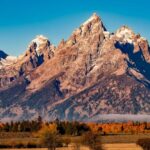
22 20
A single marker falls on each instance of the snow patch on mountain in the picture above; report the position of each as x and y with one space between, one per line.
39 40
7 61
93 17
126 34
11 58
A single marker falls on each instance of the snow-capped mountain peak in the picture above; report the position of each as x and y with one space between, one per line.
39 40
92 18
125 33
93 72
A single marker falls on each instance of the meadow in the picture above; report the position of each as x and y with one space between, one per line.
109 142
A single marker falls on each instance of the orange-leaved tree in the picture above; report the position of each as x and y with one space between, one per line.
49 136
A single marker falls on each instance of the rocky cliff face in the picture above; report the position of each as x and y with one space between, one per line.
93 72
12 68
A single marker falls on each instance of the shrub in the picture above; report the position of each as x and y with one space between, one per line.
31 145
66 141
49 136
4 146
91 140
20 145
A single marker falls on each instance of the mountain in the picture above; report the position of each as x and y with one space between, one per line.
93 73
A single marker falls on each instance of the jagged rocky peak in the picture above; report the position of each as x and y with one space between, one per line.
6 60
94 21
39 50
40 47
129 42
93 25
125 34
41 43
91 30
38 44
43 47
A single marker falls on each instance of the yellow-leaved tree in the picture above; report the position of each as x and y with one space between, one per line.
48 135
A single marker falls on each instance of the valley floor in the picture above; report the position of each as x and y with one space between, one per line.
109 142
121 146
108 139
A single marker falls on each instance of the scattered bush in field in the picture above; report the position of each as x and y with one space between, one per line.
49 140
31 145
66 141
77 146
5 146
144 143
91 140
20 145
49 136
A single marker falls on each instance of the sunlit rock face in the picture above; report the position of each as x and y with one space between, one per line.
13 68
93 72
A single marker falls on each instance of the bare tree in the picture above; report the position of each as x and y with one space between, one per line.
50 140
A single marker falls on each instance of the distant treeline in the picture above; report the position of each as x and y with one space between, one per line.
63 127
77 128
22 126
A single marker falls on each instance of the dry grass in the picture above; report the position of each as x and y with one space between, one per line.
123 138
111 142
18 140
121 146
104 139
105 146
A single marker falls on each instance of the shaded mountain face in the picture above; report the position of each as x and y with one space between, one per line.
3 55
94 72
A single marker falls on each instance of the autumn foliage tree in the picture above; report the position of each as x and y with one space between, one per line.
48 135
77 128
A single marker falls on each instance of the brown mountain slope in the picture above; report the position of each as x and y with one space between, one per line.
93 72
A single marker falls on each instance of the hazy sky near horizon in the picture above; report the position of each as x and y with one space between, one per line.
22 20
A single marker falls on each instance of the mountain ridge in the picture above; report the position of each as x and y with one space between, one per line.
93 72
